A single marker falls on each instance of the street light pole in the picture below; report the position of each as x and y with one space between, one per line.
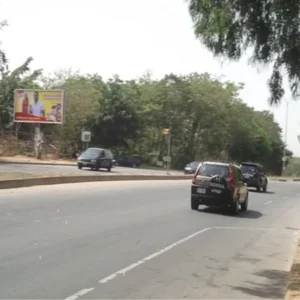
285 136
169 152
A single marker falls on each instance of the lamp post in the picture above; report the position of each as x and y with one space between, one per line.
285 136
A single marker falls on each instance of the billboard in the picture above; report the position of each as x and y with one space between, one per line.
39 106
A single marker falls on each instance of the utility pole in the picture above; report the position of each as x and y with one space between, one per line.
169 152
285 136
167 159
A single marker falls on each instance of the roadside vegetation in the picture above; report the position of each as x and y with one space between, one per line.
207 117
293 168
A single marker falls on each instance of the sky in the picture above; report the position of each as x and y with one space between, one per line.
129 38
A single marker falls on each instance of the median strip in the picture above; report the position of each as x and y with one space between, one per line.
27 180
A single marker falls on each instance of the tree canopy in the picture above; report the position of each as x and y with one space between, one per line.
270 28
205 114
207 118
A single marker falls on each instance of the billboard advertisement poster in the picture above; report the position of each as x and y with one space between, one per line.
39 106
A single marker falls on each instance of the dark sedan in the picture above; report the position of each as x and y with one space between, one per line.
128 161
95 158
191 167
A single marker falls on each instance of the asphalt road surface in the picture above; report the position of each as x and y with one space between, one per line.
36 169
141 240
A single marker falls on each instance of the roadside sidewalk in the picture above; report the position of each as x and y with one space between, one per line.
293 290
19 159
33 161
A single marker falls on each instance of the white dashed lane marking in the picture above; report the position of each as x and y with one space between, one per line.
158 253
80 293
268 202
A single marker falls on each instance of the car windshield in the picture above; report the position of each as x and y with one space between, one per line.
212 170
194 164
248 169
91 152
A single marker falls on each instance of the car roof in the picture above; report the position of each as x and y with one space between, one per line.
251 164
221 163
93 148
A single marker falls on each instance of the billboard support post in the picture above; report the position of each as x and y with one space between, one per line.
39 106
38 141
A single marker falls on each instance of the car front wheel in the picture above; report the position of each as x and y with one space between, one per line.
258 188
79 166
265 188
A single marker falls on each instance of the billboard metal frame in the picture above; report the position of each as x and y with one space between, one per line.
63 101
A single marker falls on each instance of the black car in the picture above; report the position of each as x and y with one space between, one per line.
191 167
128 161
219 184
254 176
95 158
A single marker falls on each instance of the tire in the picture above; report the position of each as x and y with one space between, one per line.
194 203
109 168
244 206
265 188
79 166
234 207
97 168
258 188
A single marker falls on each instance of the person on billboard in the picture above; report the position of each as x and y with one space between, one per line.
37 108
25 104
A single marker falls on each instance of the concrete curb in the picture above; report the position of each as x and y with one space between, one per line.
71 164
284 179
18 183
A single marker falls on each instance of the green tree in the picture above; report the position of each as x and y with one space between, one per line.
83 98
3 59
117 119
20 78
271 29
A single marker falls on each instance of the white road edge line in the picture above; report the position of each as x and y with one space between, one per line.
150 257
80 293
268 202
156 254
285 197
246 228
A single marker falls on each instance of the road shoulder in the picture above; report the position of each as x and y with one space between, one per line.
293 291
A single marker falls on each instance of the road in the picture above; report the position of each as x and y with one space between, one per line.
141 240
36 169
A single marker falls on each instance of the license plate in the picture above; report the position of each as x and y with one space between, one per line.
84 163
201 191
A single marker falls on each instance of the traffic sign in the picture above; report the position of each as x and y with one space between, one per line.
165 131
167 158
156 153
86 136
